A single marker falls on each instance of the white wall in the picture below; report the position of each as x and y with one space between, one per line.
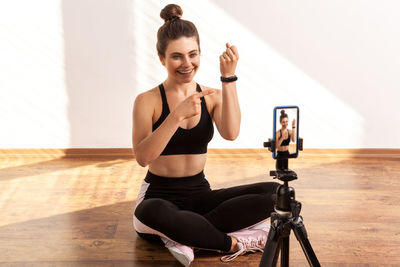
70 69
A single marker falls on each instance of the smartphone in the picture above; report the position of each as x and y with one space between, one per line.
286 132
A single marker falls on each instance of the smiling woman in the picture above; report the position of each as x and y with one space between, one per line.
172 126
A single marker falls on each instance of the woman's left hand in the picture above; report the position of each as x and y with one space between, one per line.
228 61
294 123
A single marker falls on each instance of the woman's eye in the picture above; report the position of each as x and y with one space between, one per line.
193 55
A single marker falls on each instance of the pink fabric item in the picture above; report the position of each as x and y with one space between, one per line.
143 188
263 225
249 240
182 253
138 225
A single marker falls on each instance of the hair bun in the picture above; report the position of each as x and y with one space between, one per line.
171 12
282 112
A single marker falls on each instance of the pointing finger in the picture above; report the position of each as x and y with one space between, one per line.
206 92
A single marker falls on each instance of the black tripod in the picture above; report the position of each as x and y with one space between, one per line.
285 218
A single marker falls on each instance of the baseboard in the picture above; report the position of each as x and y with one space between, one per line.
225 153
69 153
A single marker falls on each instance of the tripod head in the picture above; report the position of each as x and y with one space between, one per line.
285 194
284 176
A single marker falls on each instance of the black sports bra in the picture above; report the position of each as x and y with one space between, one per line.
286 141
187 141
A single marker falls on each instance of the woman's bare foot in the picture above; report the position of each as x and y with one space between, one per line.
234 246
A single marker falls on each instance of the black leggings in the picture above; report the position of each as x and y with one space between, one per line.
187 211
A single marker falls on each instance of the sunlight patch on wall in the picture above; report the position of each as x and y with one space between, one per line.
33 101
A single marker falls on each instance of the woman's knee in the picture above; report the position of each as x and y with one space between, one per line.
150 208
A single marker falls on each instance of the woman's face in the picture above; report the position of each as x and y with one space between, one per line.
284 122
182 59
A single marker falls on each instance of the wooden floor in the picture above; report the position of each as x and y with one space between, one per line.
76 209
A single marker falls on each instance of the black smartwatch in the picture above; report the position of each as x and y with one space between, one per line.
229 79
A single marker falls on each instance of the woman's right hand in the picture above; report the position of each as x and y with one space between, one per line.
191 106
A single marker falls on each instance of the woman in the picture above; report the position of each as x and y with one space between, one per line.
172 125
283 138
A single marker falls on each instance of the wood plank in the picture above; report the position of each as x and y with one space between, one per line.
61 210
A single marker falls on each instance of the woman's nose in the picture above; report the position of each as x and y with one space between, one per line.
186 61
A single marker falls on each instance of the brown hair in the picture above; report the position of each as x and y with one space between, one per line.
283 115
174 28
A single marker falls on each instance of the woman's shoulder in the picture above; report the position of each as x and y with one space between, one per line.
205 88
148 96
213 97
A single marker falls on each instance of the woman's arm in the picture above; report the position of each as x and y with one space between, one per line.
148 145
226 113
293 131
293 135
278 139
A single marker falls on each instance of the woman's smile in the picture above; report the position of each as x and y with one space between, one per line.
185 72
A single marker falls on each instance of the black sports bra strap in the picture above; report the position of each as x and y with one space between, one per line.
163 98
198 89
162 92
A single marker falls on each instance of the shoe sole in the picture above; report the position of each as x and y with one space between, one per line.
185 261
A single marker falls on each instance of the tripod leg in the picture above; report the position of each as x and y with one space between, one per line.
278 249
285 252
301 235
271 249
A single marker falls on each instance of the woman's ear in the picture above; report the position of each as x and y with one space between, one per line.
162 59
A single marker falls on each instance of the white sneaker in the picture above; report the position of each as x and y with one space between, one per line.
263 225
182 253
249 240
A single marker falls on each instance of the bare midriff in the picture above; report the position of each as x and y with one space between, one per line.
283 148
178 165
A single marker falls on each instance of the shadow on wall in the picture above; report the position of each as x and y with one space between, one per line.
99 71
